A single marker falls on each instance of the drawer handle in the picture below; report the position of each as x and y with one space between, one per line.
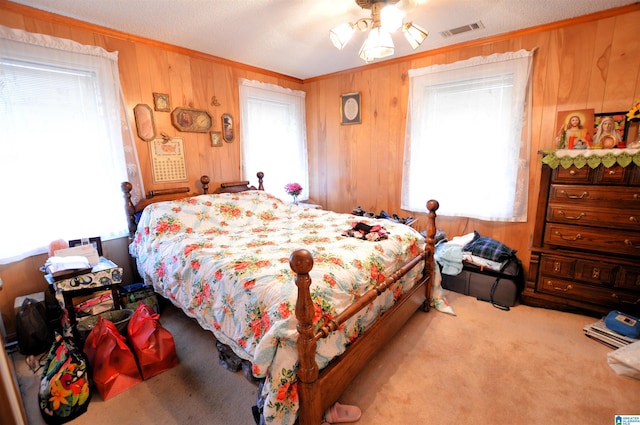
629 243
622 300
581 196
611 172
557 288
595 273
556 267
568 238
572 172
636 196
633 219
578 217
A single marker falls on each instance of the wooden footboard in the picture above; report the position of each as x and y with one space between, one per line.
319 390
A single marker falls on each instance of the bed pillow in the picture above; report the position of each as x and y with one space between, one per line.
489 248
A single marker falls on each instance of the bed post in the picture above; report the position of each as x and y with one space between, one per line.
310 412
130 210
204 180
430 248
260 176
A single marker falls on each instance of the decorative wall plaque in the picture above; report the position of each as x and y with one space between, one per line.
191 120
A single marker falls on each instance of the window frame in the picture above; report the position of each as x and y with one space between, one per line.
458 153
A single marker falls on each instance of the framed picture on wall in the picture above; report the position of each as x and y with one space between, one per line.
144 122
161 102
350 108
191 120
227 128
612 121
575 129
216 138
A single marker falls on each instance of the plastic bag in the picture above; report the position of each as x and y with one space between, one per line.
153 344
626 360
113 364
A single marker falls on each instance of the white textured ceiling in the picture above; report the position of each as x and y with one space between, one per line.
291 37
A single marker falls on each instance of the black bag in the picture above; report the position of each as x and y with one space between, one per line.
65 386
32 328
500 288
54 313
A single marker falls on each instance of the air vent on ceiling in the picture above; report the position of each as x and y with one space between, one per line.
465 28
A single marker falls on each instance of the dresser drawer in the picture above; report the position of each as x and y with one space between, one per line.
614 175
587 216
599 295
590 272
572 175
613 196
629 278
557 266
608 241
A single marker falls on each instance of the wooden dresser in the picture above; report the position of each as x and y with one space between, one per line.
586 244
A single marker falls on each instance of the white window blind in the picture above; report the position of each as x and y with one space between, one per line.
468 138
62 156
274 137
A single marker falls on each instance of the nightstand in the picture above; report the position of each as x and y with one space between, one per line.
312 206
101 283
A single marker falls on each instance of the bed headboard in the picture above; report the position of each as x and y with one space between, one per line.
132 211
233 187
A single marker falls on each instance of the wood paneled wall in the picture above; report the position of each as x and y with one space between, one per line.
588 62
190 78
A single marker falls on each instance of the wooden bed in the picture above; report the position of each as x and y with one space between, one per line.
319 389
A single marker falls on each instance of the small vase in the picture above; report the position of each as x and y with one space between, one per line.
295 199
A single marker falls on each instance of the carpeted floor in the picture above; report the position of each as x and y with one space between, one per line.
485 365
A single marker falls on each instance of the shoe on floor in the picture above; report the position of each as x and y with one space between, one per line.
341 413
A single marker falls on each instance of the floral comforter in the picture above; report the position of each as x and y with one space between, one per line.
224 259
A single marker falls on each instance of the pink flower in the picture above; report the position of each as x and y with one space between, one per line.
293 189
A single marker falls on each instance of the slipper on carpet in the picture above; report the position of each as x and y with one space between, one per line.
339 413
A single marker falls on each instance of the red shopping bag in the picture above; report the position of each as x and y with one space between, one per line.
112 362
153 345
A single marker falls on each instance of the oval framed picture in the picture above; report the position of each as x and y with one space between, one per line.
145 125
350 108
227 128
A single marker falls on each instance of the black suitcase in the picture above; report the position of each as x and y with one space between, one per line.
502 289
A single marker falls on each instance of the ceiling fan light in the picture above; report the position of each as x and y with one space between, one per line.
414 34
341 35
391 18
378 45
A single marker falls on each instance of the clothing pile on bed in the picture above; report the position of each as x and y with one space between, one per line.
383 214
367 232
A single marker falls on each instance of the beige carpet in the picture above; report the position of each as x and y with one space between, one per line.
484 366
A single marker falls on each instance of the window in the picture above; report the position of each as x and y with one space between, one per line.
274 137
468 138
62 156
